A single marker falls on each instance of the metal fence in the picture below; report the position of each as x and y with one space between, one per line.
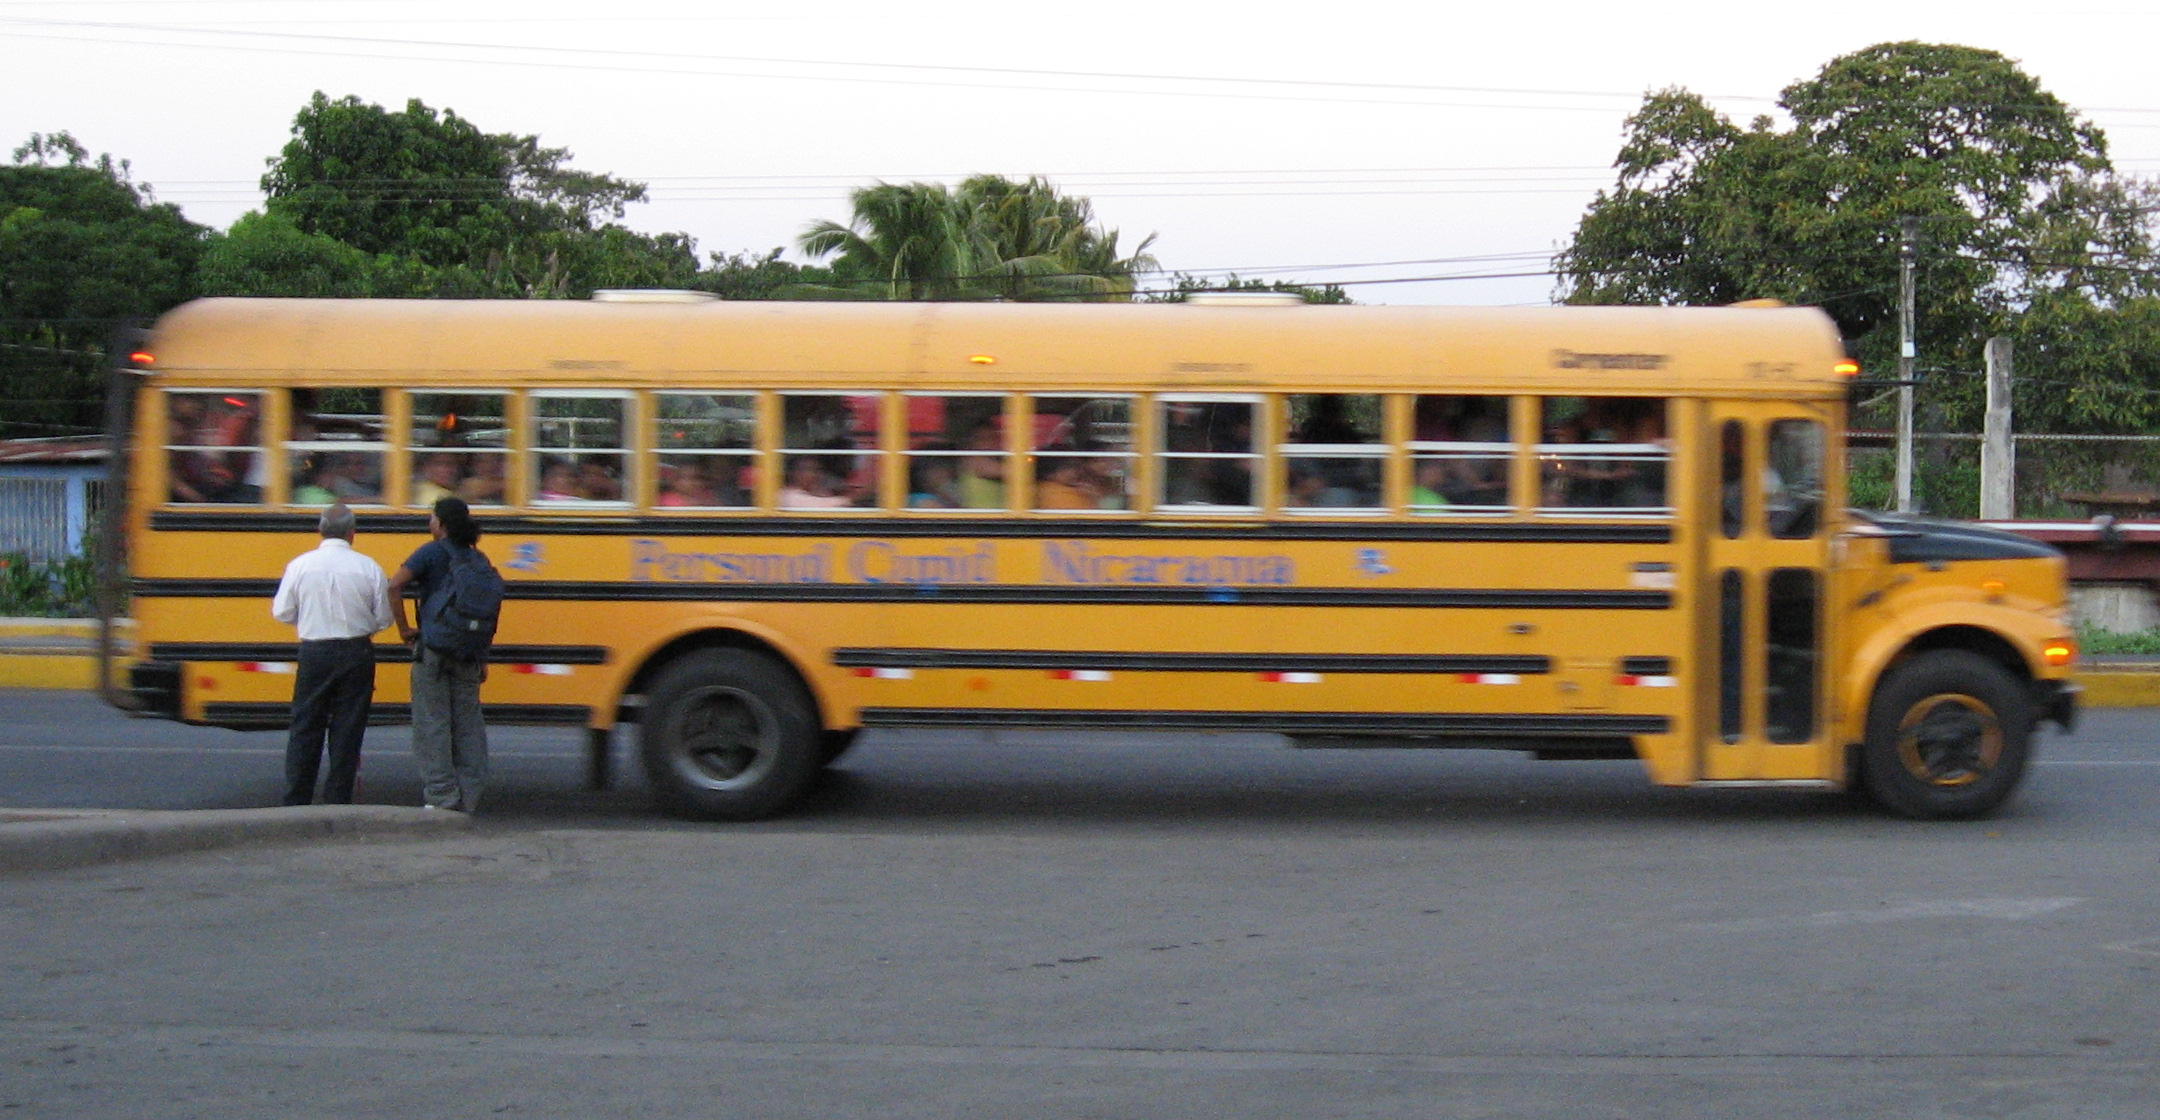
2057 476
39 520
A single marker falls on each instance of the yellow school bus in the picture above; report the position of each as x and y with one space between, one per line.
755 529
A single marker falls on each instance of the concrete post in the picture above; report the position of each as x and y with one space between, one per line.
1998 454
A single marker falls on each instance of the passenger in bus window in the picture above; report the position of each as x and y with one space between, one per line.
934 483
1425 490
811 486
1307 487
982 479
438 479
1067 483
596 482
1479 478
484 486
558 481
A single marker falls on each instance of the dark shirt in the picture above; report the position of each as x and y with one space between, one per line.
430 568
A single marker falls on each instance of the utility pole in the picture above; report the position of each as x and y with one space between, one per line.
1908 237
1998 453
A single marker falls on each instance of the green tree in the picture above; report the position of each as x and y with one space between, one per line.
993 238
1999 172
266 255
1184 286
86 249
480 213
748 276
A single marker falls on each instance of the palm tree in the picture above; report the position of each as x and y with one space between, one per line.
993 238
905 242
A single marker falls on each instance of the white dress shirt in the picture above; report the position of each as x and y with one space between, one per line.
333 592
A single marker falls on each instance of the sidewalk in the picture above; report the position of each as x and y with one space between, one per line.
54 652
52 839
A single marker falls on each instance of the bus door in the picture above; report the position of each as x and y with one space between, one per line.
1763 634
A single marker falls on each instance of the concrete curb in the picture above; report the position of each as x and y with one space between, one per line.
52 839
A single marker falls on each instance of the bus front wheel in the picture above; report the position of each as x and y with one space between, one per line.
1948 736
728 735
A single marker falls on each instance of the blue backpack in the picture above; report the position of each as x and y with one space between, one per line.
466 607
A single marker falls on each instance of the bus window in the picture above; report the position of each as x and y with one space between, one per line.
212 446
334 452
706 443
1083 452
1207 451
1793 479
954 460
580 446
1459 455
1732 478
828 454
1604 455
458 442
1333 458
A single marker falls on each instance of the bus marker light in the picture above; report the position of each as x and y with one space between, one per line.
983 359
2059 653
885 674
142 358
1847 368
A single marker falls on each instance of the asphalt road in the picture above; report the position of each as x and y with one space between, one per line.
1115 926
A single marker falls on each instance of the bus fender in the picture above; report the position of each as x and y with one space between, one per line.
706 633
1885 648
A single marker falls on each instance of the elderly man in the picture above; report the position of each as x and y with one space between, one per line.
338 599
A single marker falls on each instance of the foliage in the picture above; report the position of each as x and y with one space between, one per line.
435 206
2010 189
991 238
61 589
1185 285
85 248
2093 640
744 276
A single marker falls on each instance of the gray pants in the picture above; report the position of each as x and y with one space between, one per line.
449 738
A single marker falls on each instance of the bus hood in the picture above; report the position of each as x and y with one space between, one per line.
1922 539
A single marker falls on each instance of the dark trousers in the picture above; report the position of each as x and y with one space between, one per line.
331 696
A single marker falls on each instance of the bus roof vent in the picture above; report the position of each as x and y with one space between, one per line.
651 295
1245 299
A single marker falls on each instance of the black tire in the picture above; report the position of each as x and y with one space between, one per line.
1948 736
728 735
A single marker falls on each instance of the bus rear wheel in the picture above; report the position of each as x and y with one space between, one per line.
728 735
1948 736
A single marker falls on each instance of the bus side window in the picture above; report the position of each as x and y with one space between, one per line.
213 446
580 440
1460 450
706 444
458 443
1333 457
1208 457
1083 453
829 450
335 450
955 453
1607 454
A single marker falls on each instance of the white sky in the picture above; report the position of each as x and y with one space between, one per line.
1322 140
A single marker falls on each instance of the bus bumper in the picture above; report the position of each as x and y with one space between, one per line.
2058 702
155 688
